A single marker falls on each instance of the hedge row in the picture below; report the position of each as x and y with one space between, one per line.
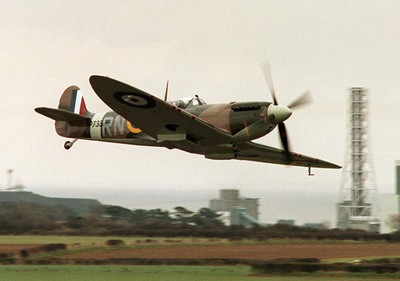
274 266
289 267
24 253
163 229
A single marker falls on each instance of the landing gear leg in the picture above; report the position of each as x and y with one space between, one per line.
309 171
68 144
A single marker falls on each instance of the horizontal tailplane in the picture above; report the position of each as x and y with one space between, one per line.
60 115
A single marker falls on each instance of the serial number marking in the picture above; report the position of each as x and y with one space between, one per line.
95 124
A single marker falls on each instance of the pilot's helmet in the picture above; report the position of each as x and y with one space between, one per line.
180 103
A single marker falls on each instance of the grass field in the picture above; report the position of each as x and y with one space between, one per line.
40 239
94 247
163 273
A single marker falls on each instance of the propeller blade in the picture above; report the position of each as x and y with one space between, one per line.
268 77
166 91
284 138
304 99
281 113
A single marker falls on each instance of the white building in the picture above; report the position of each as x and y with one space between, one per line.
390 204
235 209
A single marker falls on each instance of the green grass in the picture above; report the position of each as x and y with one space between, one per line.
100 240
166 273
99 273
40 239
47 239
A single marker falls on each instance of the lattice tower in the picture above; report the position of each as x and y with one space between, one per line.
357 208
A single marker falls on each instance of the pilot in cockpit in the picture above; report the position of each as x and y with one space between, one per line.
189 102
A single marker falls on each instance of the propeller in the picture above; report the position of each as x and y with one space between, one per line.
304 99
284 138
268 77
166 91
280 113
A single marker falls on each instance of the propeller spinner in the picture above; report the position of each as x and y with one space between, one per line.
278 113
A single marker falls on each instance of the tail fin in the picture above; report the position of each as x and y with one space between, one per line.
71 111
72 101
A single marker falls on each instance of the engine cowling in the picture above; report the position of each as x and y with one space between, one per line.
254 131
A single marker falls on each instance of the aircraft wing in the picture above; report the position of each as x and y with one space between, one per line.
261 153
157 118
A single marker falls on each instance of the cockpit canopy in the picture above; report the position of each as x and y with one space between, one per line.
189 102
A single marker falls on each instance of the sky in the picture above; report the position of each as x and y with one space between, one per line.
213 49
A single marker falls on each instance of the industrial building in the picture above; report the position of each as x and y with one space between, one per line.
390 204
236 210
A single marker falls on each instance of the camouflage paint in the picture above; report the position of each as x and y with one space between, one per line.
98 126
238 123
230 118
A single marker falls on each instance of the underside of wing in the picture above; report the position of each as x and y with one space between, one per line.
256 152
157 118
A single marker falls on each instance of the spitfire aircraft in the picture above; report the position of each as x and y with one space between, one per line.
217 131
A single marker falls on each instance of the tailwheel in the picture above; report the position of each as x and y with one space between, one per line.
68 144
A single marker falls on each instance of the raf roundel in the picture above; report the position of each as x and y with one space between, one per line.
135 99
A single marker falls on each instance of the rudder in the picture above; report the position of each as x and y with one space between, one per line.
72 100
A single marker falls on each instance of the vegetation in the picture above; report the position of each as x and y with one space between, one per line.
312 265
167 273
22 217
107 224
28 218
52 257
394 222
99 273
